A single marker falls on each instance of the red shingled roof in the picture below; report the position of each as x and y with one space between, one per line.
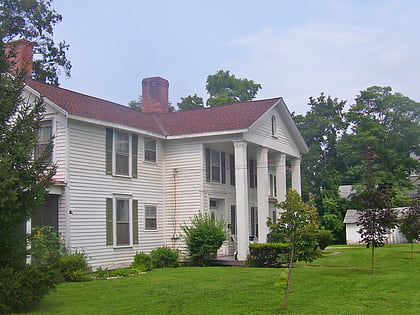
221 118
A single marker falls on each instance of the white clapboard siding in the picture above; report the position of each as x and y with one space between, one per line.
183 188
89 187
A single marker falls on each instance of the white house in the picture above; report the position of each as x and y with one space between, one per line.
127 180
353 237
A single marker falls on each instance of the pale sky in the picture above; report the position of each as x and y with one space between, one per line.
294 49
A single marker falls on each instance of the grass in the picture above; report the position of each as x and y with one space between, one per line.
338 283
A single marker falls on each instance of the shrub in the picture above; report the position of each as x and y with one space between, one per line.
324 237
142 262
121 272
268 255
23 287
164 257
74 267
204 237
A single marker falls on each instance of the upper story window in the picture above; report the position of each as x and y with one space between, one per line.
121 153
150 149
252 167
273 126
44 137
215 166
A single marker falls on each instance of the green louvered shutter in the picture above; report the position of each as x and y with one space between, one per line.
208 166
134 143
223 166
108 151
109 225
135 216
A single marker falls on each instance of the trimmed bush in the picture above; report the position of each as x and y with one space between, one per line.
324 237
204 237
142 262
74 267
270 255
164 257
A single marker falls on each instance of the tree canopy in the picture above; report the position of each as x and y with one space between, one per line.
34 20
190 102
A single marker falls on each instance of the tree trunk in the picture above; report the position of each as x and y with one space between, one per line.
289 277
373 260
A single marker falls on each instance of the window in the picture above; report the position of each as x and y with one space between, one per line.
254 221
233 220
150 149
215 166
274 216
273 126
44 137
150 218
121 221
252 173
273 185
232 169
121 153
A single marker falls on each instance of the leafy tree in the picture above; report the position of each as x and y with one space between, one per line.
204 237
389 124
225 88
298 223
34 20
190 102
410 223
136 104
322 128
376 216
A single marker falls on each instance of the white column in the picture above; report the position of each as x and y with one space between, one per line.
296 185
262 191
281 178
241 186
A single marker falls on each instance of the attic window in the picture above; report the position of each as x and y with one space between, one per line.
273 126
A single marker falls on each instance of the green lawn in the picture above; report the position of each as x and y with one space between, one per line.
338 283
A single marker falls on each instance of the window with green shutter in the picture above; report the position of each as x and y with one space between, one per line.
121 153
122 221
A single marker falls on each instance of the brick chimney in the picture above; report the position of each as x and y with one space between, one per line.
155 95
22 51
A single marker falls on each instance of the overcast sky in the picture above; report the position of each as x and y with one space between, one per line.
294 49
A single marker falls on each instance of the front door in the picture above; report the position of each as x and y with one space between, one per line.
47 213
218 209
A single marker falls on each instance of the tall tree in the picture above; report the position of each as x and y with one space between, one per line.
322 128
376 216
34 20
297 223
136 104
190 102
225 88
389 124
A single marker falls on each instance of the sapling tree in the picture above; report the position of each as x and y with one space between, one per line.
410 223
298 223
376 216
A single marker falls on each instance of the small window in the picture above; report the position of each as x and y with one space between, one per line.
44 137
273 126
122 153
149 149
273 185
150 218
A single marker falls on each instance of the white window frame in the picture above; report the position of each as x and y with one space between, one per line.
114 153
48 123
145 140
216 163
128 199
149 217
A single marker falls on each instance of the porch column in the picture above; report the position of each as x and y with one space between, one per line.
241 186
295 166
281 178
263 192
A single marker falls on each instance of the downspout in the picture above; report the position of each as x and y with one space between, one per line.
174 237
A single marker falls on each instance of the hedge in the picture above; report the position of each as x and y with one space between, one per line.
269 255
